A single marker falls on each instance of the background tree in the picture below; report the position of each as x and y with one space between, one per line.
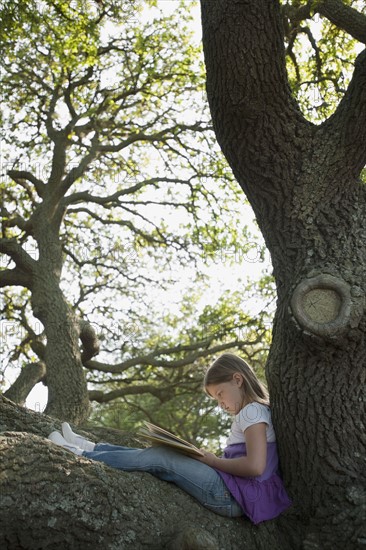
165 385
103 122
304 183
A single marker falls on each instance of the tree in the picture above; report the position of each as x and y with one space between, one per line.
304 183
97 132
51 499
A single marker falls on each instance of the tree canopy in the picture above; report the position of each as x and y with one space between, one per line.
112 184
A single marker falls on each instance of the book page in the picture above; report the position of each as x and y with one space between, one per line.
163 437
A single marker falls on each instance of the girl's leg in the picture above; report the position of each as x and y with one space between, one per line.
110 448
194 477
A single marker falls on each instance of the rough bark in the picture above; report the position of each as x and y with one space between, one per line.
52 499
303 183
67 389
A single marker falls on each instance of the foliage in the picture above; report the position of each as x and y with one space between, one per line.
171 392
99 103
147 191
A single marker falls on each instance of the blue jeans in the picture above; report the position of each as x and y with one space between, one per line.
197 479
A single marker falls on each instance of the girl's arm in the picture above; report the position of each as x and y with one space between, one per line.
253 464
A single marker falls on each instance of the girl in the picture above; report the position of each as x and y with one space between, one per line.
244 481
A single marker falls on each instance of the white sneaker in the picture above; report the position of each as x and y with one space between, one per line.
57 438
76 439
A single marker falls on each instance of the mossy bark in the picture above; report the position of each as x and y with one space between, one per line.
52 499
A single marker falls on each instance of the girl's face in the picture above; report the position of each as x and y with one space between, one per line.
229 395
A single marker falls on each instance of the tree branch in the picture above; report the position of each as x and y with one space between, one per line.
80 170
15 220
343 16
84 196
97 494
29 376
198 349
126 223
19 175
109 200
102 397
21 258
348 123
296 14
158 136
15 277
51 132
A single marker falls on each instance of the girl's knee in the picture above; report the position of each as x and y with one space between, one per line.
165 457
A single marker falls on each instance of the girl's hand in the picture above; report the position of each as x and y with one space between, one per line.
208 458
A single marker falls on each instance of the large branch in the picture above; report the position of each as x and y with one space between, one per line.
20 175
347 126
194 351
29 376
102 397
336 11
78 171
343 16
256 119
14 220
15 277
21 258
82 494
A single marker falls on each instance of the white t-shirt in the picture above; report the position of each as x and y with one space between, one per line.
253 413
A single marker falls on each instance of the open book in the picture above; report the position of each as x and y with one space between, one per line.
159 436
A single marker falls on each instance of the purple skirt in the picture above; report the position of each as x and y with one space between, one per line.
261 497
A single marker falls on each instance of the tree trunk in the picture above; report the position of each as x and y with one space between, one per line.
67 389
52 499
303 183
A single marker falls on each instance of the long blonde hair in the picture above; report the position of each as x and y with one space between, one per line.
223 369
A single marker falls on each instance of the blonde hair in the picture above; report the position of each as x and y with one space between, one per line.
223 369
